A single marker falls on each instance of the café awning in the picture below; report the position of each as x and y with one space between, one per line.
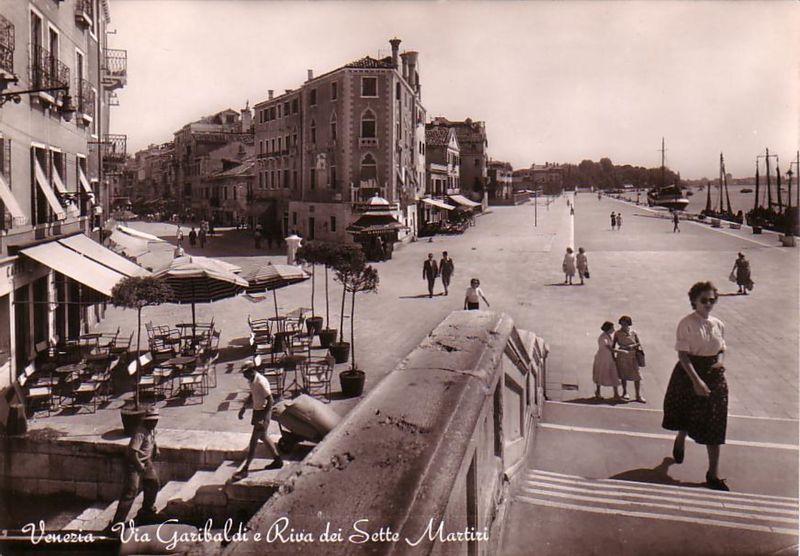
438 204
128 245
11 204
463 201
72 264
141 235
374 224
49 194
89 248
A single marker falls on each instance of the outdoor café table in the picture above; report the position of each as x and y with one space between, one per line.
179 361
66 370
291 363
279 323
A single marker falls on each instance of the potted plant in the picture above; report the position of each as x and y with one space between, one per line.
358 279
349 258
312 253
331 253
136 292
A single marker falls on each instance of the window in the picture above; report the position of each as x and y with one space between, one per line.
369 86
286 179
368 125
313 132
333 223
279 107
272 146
313 178
294 218
333 177
286 108
286 142
280 143
5 159
333 126
294 180
294 106
312 97
369 168
397 91
334 90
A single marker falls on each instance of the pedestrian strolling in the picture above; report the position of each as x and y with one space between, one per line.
613 221
583 264
741 274
192 237
696 400
257 238
260 398
140 473
179 236
571 210
430 271
446 269
203 238
604 369
568 266
627 348
473 295
619 221
675 221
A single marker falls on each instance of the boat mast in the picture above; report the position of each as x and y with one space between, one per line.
755 203
727 193
769 185
778 182
721 174
708 197
662 163
724 183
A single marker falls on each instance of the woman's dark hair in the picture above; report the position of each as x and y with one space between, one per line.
698 289
608 325
625 319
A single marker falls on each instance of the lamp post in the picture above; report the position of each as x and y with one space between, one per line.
67 109
535 208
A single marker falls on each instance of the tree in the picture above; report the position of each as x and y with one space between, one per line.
357 280
348 260
136 292
312 252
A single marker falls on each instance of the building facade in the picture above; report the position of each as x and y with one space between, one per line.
57 79
474 158
499 186
326 148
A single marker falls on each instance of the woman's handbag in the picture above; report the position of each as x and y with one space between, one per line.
732 277
640 359
586 274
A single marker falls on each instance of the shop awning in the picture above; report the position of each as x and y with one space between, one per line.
89 248
128 245
84 182
70 263
463 201
438 204
11 204
371 224
52 200
140 235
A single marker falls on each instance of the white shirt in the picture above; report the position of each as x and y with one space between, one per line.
260 391
473 295
698 336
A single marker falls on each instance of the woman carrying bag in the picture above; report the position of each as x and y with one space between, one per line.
630 357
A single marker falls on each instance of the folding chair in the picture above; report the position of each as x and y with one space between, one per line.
35 395
316 376
274 375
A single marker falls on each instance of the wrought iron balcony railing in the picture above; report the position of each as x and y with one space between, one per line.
115 68
86 98
6 47
47 71
84 13
114 148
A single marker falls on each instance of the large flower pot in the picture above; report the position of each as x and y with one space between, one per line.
131 417
314 325
352 382
327 336
756 229
340 351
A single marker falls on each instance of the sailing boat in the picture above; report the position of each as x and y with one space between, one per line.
773 216
719 210
667 196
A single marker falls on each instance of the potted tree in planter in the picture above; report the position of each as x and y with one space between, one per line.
312 253
363 279
330 254
348 259
137 292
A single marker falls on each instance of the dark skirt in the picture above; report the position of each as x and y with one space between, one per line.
704 419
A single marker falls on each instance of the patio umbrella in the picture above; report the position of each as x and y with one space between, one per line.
273 277
201 280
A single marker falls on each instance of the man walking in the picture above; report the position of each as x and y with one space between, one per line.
202 237
446 268
261 399
613 221
140 471
675 221
430 272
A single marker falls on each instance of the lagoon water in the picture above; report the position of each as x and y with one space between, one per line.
739 201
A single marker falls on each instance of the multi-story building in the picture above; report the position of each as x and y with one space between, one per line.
442 175
549 177
231 188
194 144
153 180
57 82
343 137
473 144
499 185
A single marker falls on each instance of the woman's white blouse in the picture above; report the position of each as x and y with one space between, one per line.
699 336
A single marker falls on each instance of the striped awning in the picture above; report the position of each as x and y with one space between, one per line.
84 182
128 245
11 204
201 280
438 204
78 267
273 276
89 248
49 194
463 201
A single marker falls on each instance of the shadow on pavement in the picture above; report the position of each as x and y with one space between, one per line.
658 475
562 284
597 401
420 296
113 434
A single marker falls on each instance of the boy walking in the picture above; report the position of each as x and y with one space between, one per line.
261 399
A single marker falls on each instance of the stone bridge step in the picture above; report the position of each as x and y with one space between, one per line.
613 497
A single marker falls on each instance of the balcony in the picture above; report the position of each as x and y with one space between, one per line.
114 148
47 71
86 101
367 142
115 69
7 50
84 13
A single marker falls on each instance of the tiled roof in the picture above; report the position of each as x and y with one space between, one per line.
368 62
437 136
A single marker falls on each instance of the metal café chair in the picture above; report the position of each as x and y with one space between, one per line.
35 395
274 375
316 377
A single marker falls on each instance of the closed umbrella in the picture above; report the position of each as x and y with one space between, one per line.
273 277
201 280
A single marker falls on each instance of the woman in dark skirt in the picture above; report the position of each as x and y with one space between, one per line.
696 401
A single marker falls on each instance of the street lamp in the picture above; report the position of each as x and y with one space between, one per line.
67 109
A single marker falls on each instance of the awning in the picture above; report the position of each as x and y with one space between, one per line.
52 200
11 204
60 187
89 248
438 204
84 182
371 224
140 235
128 245
69 263
463 201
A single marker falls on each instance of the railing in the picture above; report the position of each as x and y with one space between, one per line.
6 46
86 98
84 12
444 460
115 68
46 70
114 147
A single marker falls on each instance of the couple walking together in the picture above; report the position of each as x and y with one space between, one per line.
618 359
431 271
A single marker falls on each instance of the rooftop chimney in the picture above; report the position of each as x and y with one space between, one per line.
310 75
270 94
411 58
395 42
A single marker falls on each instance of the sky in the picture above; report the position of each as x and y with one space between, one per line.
554 81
